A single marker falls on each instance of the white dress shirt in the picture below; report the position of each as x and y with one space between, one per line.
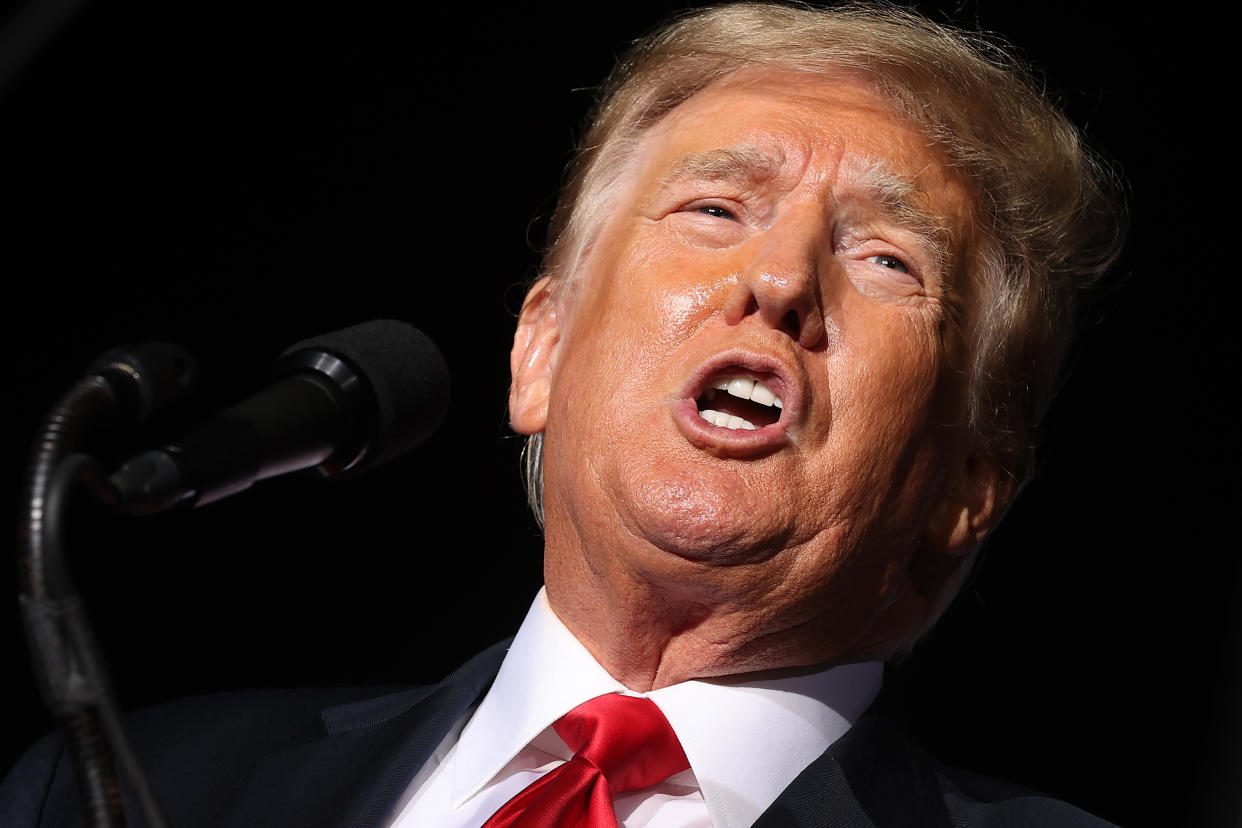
746 739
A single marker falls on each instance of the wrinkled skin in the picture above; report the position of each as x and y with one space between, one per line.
678 550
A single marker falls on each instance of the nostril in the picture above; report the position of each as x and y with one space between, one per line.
791 324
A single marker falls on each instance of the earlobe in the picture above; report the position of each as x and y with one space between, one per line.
969 509
532 362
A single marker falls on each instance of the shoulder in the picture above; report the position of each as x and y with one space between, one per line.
223 759
974 799
201 746
875 777
880 749
258 719
233 729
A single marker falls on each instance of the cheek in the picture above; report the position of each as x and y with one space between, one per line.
684 308
884 380
611 346
656 293
891 364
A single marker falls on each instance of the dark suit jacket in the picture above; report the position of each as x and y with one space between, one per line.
326 758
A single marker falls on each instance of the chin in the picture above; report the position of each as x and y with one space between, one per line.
707 516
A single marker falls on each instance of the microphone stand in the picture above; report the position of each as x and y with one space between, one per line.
363 414
67 664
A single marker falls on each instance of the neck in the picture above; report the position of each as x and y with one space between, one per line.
653 619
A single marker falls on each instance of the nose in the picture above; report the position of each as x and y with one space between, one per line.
781 285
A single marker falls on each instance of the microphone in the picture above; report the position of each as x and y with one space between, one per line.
145 378
342 402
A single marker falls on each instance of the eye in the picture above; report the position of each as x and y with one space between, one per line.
715 211
891 262
711 221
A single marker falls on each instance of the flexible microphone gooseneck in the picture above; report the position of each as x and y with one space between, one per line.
122 388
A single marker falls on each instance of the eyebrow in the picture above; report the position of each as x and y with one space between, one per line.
897 196
742 166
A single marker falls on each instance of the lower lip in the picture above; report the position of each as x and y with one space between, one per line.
727 442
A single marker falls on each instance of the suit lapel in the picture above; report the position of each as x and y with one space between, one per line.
357 771
871 777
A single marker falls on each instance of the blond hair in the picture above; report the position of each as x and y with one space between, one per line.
1048 219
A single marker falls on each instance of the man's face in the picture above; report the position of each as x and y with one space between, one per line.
789 238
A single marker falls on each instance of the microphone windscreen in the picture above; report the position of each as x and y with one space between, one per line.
407 376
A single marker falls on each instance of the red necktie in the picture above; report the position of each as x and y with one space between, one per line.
620 743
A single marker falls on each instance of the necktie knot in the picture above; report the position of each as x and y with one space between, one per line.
626 737
620 743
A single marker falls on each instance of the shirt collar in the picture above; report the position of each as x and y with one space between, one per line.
746 738
546 673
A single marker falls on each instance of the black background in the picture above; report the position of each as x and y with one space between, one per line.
237 176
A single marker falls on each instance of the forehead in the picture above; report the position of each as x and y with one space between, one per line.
789 127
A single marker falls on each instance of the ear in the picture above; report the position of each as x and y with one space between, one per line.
974 502
532 361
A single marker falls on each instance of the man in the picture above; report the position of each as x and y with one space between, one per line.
810 283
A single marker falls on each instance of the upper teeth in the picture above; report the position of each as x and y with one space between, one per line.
749 389
746 389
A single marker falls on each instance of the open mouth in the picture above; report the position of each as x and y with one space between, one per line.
739 403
